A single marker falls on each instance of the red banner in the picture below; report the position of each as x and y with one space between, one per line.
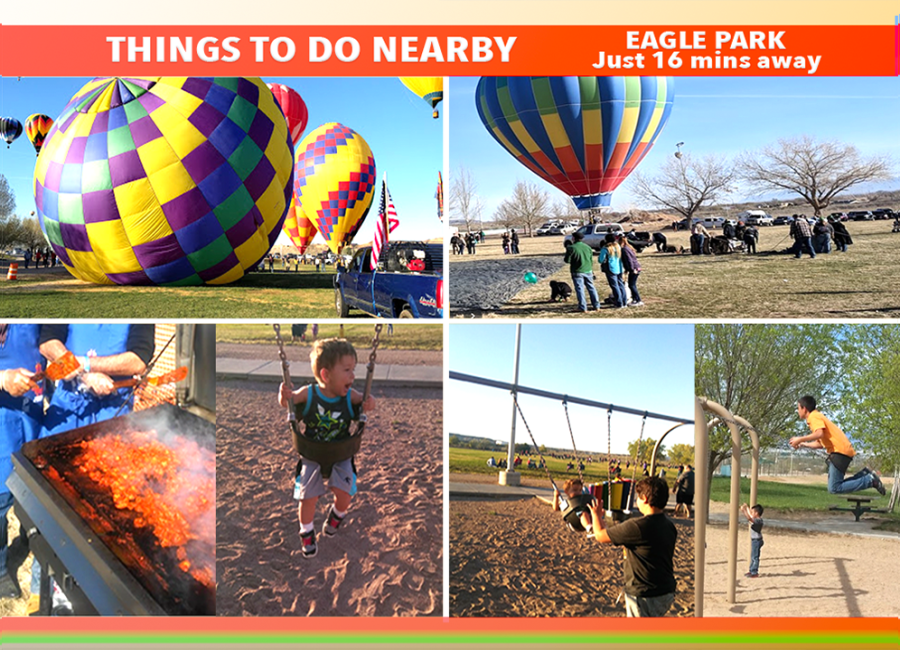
51 51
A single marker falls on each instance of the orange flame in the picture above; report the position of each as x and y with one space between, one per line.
165 486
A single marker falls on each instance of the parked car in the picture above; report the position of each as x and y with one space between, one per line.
544 229
562 229
782 221
861 215
595 233
884 213
408 282
755 218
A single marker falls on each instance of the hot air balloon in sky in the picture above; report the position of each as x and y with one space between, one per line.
37 127
431 89
583 135
10 129
294 109
334 182
298 227
171 181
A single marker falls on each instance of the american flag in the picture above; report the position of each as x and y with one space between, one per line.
387 222
439 195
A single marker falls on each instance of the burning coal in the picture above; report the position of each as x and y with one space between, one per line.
168 487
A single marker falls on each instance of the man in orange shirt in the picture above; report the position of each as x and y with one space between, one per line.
825 434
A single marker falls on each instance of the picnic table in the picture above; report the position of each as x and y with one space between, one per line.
859 509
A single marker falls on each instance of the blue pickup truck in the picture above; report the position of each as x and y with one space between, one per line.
408 283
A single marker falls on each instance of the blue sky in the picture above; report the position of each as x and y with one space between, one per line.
642 366
720 115
406 141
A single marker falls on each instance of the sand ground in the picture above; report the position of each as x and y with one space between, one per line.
515 558
386 560
804 574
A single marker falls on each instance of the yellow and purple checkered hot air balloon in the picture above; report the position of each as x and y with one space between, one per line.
165 180
298 227
583 135
334 182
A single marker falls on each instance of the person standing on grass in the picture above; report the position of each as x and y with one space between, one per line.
610 259
802 234
632 267
842 238
825 434
580 258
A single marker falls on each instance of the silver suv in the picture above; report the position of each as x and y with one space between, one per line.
595 233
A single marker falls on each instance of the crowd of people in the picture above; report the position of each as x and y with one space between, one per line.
45 257
462 244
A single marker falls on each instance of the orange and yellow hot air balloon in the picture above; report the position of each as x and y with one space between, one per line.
37 127
431 89
299 227
334 182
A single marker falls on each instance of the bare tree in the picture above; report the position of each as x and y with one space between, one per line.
465 203
564 209
685 184
7 198
10 231
32 235
528 206
816 170
506 217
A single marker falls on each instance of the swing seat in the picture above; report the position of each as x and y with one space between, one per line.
615 496
326 454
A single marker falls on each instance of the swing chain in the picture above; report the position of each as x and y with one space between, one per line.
285 368
637 455
376 341
533 442
572 436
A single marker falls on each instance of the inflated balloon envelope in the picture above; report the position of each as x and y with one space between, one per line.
165 180
298 227
334 182
583 135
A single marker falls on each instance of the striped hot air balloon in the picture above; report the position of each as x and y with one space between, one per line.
294 109
431 89
165 180
334 182
583 135
10 129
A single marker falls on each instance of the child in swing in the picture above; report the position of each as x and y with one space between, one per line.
329 407
575 513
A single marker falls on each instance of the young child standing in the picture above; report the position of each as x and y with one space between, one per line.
754 516
328 408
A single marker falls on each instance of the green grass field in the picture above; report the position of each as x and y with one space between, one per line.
406 336
773 495
47 293
856 284
474 461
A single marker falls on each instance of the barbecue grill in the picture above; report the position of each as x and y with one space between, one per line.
107 508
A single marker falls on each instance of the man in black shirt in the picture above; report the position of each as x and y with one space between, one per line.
650 543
